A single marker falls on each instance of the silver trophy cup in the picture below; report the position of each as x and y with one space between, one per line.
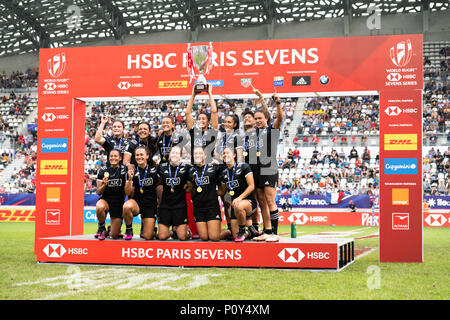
200 59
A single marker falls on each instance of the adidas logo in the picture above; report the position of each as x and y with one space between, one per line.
301 81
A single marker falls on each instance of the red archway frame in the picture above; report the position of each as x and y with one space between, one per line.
389 65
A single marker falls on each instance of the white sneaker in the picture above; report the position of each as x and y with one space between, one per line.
272 238
262 237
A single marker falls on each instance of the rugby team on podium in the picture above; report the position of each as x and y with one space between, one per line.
238 166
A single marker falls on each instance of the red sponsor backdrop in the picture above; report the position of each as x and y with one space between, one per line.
401 176
378 63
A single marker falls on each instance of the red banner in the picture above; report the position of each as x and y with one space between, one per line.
401 176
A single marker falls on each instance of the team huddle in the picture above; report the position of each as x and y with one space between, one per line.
237 166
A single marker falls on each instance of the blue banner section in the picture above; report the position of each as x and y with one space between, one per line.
91 217
296 201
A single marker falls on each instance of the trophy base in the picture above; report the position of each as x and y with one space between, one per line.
201 87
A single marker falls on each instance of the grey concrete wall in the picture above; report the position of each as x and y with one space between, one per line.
438 29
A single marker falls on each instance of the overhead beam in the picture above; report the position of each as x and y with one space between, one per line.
40 38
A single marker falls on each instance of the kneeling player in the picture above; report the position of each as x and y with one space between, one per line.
205 178
238 179
141 188
174 176
110 186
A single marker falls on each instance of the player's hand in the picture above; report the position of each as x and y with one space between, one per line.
104 120
105 180
130 171
276 98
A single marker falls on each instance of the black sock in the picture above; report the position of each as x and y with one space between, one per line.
268 231
129 227
274 220
256 226
101 226
241 228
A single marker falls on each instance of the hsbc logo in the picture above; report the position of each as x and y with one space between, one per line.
49 117
435 220
57 64
298 218
401 53
395 111
394 76
50 86
53 250
291 255
124 85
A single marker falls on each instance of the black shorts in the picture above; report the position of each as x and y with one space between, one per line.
207 214
147 211
268 180
172 216
254 205
115 208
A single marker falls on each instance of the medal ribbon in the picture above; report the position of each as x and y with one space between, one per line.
196 175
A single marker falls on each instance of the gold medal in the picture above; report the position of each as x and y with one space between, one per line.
106 174
245 153
172 190
258 154
199 189
142 190
164 158
231 193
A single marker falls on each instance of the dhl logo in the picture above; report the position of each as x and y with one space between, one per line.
172 84
400 141
53 167
17 215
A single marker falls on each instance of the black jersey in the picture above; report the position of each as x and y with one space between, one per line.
233 140
134 143
235 179
249 147
173 179
207 178
145 179
122 144
115 190
165 142
205 139
266 149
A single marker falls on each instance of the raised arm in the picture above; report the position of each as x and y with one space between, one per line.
261 99
279 119
189 109
99 134
214 117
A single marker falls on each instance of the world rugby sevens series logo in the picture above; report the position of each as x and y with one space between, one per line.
401 53
57 64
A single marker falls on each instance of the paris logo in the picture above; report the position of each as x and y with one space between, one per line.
401 53
57 64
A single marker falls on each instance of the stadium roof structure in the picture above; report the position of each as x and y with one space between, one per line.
28 25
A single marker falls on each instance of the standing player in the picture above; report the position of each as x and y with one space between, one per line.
117 141
201 135
205 178
267 137
141 190
173 208
237 178
110 187
167 138
144 138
